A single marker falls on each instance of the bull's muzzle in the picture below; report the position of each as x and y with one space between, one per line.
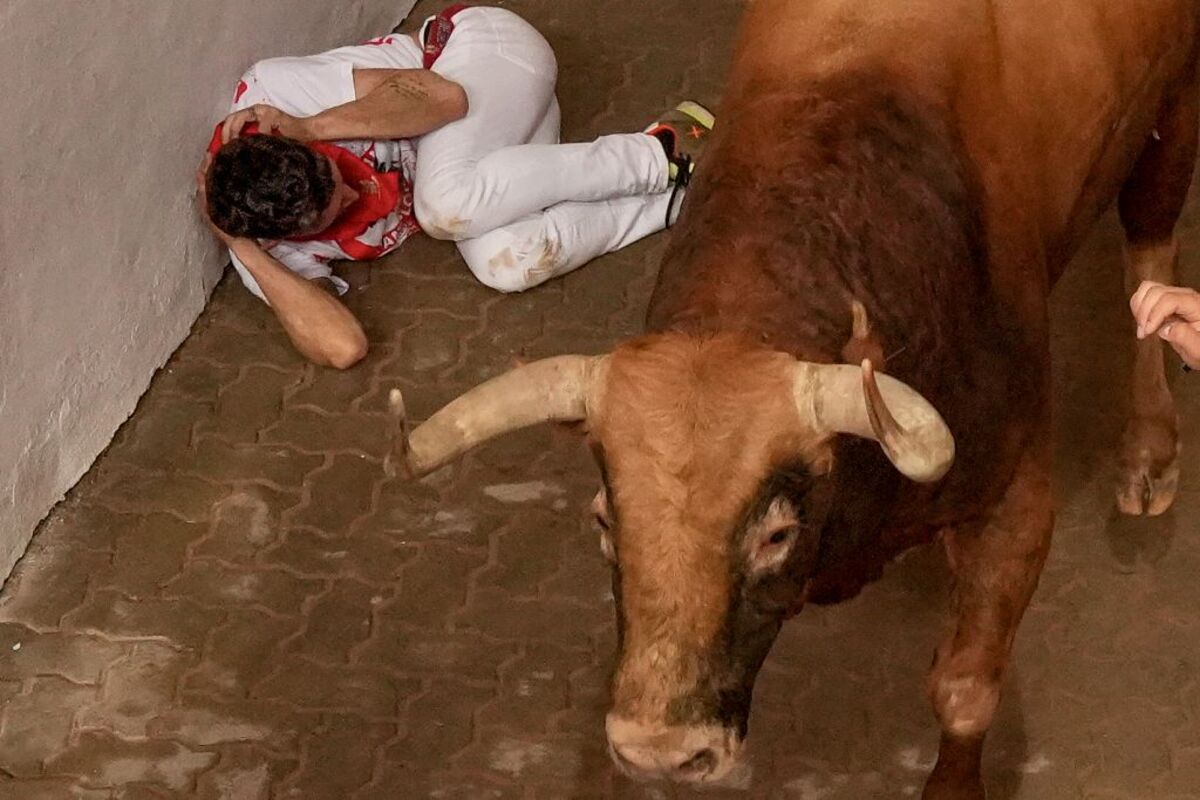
706 754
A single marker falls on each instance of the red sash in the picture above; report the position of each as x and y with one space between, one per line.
437 35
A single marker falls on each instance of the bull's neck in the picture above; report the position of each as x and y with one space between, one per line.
812 199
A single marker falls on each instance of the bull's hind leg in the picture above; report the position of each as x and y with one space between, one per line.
1150 203
996 568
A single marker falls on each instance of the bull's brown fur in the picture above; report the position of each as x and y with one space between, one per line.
937 162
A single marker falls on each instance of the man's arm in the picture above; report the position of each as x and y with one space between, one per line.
389 104
320 327
392 104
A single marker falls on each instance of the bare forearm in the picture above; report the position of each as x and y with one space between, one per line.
321 328
392 104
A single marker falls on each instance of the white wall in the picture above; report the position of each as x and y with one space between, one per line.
105 107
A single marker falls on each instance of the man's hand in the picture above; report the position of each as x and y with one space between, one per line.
1173 314
269 119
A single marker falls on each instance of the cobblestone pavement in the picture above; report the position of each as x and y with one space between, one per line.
238 603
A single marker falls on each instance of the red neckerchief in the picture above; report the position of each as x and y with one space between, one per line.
378 192
378 195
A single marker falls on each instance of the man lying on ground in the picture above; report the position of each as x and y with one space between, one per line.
453 131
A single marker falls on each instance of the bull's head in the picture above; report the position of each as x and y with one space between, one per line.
713 453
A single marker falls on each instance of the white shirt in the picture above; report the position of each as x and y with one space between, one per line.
305 86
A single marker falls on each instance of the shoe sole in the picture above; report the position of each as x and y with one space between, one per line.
697 112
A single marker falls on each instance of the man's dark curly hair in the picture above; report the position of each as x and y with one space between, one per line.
267 187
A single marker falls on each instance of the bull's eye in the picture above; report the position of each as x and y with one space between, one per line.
770 539
770 548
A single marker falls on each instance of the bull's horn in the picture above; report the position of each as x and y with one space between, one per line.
552 390
839 398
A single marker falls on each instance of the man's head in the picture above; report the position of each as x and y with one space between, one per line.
273 187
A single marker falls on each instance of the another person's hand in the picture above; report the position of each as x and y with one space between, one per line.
269 119
1173 314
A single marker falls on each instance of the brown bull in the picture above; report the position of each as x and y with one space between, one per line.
894 181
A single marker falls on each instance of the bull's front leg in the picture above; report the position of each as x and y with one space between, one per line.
996 568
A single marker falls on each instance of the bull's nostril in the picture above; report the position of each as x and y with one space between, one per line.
701 763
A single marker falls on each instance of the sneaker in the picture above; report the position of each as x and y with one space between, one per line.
683 131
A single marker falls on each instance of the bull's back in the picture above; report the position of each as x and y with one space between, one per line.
1051 100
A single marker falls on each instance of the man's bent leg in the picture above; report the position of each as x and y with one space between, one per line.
481 172
546 245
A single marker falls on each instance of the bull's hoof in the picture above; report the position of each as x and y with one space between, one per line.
1148 469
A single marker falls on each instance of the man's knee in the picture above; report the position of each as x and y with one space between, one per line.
442 210
499 266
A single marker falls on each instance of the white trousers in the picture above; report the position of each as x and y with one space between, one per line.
522 208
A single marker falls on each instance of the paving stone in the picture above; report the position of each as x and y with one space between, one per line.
56 576
148 555
398 780
251 403
212 583
243 773
338 621
180 622
338 759
311 431
438 724
434 344
520 568
49 789
227 344
187 497
397 645
524 757
204 722
243 524
535 688
565 623
79 659
433 585
163 440
224 462
111 762
310 553
38 723
309 686
330 390
240 652
339 494
136 688
198 380
457 294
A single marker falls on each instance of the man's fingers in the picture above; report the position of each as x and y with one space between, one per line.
1149 315
1185 339
1139 296
232 127
1159 307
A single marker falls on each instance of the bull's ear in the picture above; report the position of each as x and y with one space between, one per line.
863 344
838 398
